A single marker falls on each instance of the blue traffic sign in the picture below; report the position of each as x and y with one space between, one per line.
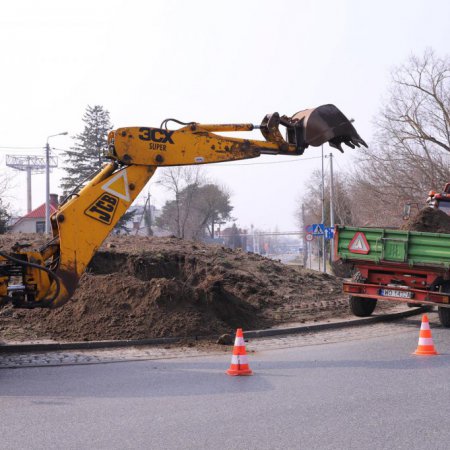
329 233
318 229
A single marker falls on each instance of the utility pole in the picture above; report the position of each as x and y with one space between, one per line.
29 202
324 266
305 246
47 182
29 164
253 238
149 217
331 204
47 188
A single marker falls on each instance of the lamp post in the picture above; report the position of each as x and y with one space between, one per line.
332 200
47 182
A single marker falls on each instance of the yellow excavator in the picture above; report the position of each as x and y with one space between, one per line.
48 277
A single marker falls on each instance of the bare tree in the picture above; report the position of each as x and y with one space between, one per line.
312 200
410 154
418 112
181 180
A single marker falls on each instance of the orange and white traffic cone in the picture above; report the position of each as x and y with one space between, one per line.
426 345
239 360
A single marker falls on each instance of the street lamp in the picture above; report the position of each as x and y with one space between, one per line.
47 182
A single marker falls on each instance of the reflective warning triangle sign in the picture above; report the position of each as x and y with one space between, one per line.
118 186
317 229
359 244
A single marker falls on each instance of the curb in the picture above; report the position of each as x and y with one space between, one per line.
334 325
23 348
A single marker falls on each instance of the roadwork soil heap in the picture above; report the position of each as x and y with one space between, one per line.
429 220
139 287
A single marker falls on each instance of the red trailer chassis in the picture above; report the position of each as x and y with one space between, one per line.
400 283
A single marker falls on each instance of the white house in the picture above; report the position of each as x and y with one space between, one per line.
34 221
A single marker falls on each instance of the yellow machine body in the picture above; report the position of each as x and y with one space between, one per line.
49 277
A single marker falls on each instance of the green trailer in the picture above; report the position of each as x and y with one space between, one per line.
395 265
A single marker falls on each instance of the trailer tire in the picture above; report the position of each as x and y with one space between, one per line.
362 307
444 316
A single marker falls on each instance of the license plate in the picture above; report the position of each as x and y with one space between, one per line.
395 293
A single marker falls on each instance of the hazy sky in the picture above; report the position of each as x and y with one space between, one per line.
208 62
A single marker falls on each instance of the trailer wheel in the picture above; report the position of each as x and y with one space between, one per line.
362 307
444 316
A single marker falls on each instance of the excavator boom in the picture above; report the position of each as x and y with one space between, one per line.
49 277
197 143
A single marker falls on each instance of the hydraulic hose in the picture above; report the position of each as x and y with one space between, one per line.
51 274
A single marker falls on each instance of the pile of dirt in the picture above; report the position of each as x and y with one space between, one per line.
139 287
429 220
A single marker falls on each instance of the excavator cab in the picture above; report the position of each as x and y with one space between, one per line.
313 127
440 200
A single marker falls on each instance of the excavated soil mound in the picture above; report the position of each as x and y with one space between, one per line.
429 220
139 287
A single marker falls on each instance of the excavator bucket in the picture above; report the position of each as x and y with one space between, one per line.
320 125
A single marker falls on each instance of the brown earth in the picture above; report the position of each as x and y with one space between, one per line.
138 287
429 220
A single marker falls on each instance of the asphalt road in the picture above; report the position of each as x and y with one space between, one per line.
363 394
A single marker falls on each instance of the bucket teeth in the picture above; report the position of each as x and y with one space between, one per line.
337 145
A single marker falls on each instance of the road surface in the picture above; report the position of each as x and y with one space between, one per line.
359 389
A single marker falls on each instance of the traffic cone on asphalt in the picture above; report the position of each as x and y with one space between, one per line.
239 360
426 345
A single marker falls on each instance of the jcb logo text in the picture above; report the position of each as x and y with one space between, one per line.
103 208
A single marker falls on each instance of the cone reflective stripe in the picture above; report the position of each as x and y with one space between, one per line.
239 359
239 342
426 345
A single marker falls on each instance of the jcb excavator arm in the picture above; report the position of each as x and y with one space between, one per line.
49 277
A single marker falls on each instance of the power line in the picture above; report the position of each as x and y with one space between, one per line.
53 149
222 164
265 163
12 147
219 164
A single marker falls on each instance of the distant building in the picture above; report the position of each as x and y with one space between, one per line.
34 221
